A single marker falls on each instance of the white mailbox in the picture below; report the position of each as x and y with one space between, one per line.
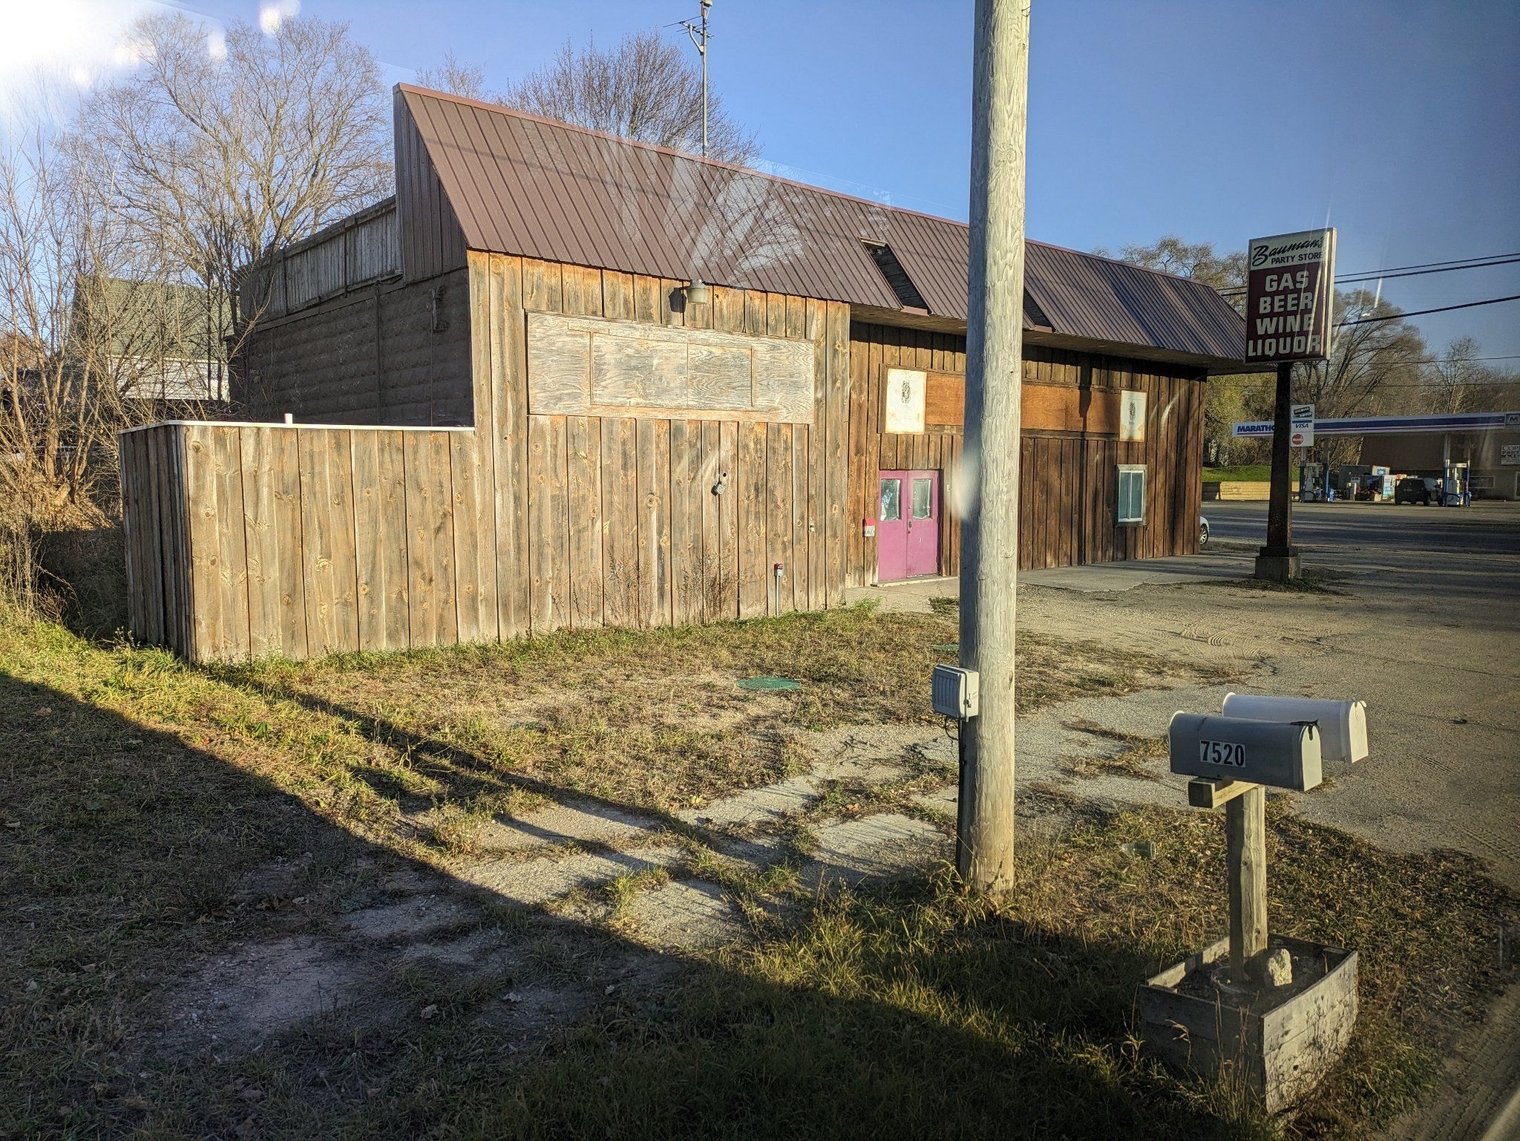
1282 754
1342 724
955 692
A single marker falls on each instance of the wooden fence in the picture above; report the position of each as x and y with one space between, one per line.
245 540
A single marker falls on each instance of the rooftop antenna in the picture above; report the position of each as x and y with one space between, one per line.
698 34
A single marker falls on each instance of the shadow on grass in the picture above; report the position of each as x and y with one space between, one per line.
135 865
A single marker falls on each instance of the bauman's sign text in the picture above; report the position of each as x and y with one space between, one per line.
1289 291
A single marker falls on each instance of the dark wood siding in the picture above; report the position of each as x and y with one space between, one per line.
431 240
391 353
1069 451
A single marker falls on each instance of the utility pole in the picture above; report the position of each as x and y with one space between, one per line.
994 382
699 41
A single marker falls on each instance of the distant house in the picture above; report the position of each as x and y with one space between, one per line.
564 379
154 342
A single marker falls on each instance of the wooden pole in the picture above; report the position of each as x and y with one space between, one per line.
1278 560
994 371
1245 837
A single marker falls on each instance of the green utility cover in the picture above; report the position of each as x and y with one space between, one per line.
765 682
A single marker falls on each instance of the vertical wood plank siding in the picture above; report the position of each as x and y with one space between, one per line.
245 540
620 521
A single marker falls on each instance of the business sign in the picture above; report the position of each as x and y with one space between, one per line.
1509 454
1290 290
1301 426
1132 416
1512 419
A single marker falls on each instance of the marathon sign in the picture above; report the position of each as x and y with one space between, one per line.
1290 290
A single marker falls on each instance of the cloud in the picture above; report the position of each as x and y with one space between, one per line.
74 40
274 13
48 46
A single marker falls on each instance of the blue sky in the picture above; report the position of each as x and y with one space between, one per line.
1399 122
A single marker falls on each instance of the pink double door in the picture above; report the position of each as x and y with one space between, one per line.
907 525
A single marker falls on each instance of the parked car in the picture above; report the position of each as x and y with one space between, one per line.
1421 489
1203 531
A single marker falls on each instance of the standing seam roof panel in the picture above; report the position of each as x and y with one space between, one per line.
531 187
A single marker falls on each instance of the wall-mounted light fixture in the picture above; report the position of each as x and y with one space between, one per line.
698 292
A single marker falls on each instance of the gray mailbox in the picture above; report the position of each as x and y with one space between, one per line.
1283 754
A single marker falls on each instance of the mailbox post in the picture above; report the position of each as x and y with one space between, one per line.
1273 1017
1231 760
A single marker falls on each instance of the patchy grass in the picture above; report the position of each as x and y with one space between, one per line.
919 1011
1243 473
1135 758
415 751
923 1012
153 815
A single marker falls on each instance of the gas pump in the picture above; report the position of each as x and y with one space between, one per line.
1311 483
1455 489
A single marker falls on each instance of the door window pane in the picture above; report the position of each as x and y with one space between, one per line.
891 500
923 498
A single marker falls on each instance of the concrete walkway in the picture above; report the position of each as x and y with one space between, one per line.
1221 563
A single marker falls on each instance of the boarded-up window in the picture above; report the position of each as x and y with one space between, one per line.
592 366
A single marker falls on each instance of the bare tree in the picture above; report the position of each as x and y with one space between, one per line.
221 149
1230 398
645 88
455 78
82 339
1371 362
122 240
1197 260
1457 381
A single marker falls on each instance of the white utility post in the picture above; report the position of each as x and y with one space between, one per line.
994 376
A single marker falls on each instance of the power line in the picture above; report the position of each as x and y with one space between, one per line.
1413 270
1422 272
1431 264
1440 309
1265 378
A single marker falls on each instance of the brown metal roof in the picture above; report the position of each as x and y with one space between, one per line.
534 187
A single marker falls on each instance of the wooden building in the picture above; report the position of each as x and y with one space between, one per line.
514 411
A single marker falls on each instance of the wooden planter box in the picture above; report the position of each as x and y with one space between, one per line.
1275 1049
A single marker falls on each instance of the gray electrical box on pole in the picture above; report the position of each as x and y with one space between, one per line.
994 370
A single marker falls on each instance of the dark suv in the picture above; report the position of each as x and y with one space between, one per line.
1421 489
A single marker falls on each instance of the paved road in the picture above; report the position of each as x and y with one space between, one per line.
1484 528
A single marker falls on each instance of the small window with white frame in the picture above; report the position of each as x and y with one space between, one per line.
1132 493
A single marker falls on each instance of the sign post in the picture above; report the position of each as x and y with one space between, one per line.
1290 292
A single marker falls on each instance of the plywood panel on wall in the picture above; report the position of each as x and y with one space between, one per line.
600 366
